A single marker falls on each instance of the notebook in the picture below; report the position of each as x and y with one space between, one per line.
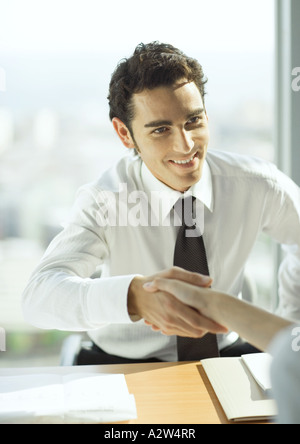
242 386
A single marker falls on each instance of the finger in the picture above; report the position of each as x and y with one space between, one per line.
176 331
150 287
207 327
154 327
180 329
186 293
168 332
176 324
168 285
184 334
189 323
181 274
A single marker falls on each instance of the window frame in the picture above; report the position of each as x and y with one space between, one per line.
287 101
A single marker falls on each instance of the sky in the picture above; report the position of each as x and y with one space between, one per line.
99 25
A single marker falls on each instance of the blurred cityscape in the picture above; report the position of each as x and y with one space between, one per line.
55 135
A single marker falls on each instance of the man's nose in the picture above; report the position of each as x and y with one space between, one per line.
184 142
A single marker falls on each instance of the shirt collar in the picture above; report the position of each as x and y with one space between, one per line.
163 198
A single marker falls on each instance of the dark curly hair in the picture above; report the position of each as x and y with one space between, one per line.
152 65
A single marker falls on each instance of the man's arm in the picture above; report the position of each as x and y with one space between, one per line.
61 293
254 324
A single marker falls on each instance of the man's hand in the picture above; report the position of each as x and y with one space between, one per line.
164 312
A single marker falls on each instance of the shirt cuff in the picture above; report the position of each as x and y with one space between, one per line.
107 300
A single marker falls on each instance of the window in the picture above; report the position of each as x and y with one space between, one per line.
56 58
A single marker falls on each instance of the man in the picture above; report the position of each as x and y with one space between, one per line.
158 111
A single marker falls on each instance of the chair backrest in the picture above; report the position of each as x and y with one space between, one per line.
70 349
249 291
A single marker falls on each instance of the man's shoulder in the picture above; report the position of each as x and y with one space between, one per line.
230 164
123 176
124 171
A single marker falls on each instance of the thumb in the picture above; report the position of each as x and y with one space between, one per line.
150 287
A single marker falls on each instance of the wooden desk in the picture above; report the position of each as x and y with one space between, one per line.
165 393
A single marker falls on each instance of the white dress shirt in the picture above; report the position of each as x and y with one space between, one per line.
242 197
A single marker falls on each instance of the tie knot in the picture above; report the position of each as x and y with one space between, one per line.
189 214
185 211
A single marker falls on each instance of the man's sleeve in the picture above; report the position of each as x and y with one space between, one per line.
61 293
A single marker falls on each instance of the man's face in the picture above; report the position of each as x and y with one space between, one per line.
170 130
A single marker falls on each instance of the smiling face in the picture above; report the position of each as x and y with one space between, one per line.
170 132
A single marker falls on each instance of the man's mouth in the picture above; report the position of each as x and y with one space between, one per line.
185 161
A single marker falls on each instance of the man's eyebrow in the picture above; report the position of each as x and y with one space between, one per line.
158 123
195 113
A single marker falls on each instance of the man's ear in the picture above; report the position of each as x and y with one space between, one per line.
123 132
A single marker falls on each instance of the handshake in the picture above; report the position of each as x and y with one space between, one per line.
179 302
175 302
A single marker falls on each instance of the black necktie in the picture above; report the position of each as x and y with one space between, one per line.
190 254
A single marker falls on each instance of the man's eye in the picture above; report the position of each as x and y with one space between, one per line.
161 130
193 120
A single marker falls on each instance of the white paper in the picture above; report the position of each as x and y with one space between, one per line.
86 397
259 364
